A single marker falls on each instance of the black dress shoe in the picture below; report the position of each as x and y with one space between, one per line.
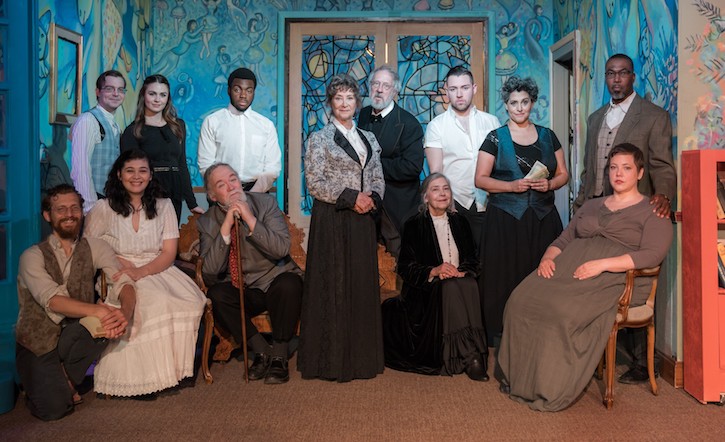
504 387
475 370
278 372
259 367
636 375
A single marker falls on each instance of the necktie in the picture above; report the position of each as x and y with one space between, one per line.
233 262
376 118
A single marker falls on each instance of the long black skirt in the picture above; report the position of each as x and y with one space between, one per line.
341 330
513 249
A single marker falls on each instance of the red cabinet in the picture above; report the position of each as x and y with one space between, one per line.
703 302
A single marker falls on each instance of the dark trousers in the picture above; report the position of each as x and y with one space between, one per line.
477 221
282 300
389 235
636 344
49 396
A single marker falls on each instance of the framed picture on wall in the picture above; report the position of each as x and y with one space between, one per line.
66 69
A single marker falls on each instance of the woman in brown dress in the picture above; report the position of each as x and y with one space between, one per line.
557 321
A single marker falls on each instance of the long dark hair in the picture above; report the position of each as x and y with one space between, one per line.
169 112
118 197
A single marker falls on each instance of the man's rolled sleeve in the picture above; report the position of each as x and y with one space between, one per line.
33 276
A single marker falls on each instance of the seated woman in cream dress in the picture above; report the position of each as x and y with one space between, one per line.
141 227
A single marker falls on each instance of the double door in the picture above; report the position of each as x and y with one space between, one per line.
422 52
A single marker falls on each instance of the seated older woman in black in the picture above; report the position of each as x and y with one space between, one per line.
434 326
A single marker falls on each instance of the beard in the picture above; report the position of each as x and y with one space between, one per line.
241 196
378 106
67 232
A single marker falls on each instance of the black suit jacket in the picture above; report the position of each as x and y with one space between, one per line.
401 139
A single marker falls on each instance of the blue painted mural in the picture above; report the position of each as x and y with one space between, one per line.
116 35
196 43
646 30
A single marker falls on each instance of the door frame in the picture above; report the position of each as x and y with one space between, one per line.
564 114
285 19
22 155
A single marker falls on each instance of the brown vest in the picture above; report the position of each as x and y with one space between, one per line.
35 330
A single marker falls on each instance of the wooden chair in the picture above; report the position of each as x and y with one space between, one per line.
189 261
634 317
389 286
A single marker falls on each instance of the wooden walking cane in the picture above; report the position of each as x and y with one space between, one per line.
238 227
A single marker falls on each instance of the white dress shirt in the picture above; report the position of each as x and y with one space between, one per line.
460 151
384 113
353 137
247 141
617 112
84 135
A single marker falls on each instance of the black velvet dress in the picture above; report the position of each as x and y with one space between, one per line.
168 159
433 327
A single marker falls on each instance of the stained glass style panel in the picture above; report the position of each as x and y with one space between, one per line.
322 57
423 62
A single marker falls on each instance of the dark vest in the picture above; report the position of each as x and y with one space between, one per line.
506 168
35 330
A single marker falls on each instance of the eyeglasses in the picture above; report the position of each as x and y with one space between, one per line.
111 89
620 74
376 84
62 210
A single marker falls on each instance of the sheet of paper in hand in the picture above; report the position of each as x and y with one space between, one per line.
538 171
93 325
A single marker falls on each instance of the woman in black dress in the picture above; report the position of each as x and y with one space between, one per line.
341 336
434 326
157 131
521 219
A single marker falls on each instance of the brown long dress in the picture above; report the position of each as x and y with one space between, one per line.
555 330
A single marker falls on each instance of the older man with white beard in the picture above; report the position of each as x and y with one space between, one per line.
401 138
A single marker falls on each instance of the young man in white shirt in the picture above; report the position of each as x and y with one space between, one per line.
95 139
241 137
452 140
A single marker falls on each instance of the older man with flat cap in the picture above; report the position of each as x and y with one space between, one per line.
241 137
